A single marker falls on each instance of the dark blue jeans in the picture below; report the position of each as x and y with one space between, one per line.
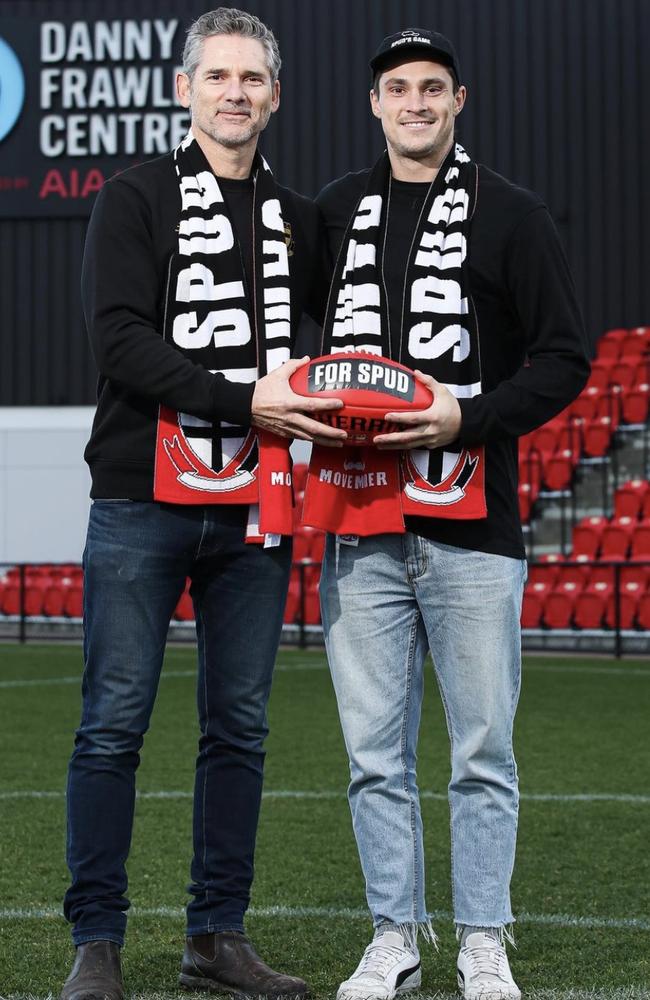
137 558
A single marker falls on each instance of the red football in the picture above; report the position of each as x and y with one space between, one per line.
370 387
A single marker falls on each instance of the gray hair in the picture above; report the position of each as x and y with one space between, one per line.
229 21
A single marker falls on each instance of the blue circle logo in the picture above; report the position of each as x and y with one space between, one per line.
12 89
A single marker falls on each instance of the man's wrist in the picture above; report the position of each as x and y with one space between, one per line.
232 401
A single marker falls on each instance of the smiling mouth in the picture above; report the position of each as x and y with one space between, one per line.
416 125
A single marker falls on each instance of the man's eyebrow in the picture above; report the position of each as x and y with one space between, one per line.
247 72
426 82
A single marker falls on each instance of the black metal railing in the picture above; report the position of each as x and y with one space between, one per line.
21 616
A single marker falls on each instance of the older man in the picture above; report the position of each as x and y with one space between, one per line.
197 269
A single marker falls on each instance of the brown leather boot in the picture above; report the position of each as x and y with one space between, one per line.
96 973
227 963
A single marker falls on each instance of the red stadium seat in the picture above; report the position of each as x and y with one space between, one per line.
317 546
73 605
616 538
597 436
623 373
55 597
301 545
601 574
641 541
546 569
525 443
584 407
599 376
636 342
530 470
631 573
610 404
533 604
558 470
636 403
10 596
590 607
587 535
544 440
643 612
524 493
34 595
578 575
629 601
628 499
71 569
292 607
570 438
559 605
608 348
618 335
312 574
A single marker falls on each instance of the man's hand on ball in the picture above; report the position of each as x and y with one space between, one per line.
432 428
277 408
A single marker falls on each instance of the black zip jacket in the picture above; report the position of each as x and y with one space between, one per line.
131 238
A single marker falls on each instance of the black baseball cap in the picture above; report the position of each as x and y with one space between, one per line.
415 42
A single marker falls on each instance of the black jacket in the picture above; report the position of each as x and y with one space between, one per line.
534 356
131 239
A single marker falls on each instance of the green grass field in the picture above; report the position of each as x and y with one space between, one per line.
582 882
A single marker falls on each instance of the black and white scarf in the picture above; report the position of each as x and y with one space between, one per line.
438 332
215 321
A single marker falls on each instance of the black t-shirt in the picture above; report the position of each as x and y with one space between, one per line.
238 195
533 348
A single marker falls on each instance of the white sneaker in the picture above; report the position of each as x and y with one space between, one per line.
388 967
483 969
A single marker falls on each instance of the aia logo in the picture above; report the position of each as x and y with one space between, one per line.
12 89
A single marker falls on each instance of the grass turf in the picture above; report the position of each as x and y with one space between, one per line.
582 866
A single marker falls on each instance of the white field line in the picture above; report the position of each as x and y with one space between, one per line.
587 797
621 671
565 920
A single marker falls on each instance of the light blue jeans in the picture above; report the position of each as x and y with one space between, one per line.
385 603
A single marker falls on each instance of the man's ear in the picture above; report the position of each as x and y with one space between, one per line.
459 100
374 104
275 99
183 89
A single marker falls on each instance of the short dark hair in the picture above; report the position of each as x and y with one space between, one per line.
378 75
